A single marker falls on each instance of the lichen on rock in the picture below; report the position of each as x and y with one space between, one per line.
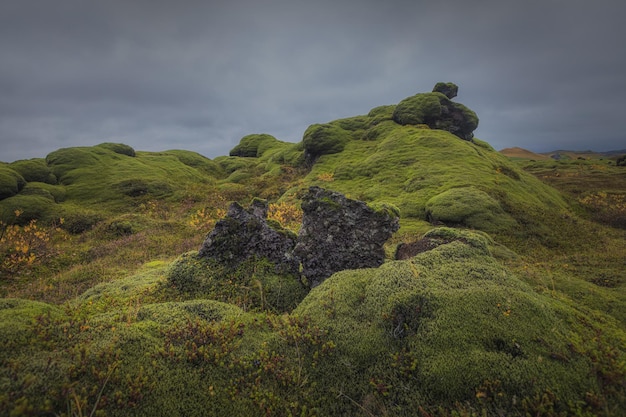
244 234
339 233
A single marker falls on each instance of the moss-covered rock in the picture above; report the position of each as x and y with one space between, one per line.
324 139
424 108
252 285
254 145
56 193
34 170
11 182
449 90
446 328
438 112
470 207
34 206
199 162
118 148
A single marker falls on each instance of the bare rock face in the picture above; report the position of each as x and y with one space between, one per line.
244 234
339 233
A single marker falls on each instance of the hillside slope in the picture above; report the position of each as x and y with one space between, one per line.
116 315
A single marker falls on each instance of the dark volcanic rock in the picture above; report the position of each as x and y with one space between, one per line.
244 234
449 90
339 233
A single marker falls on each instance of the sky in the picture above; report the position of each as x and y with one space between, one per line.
199 75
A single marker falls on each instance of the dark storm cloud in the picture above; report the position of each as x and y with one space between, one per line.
200 75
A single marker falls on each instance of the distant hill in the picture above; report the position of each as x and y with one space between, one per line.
521 153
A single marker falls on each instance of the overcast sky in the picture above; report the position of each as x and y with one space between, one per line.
199 75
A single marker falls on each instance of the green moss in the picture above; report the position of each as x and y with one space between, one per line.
54 192
477 240
118 148
199 162
354 124
63 161
254 145
16 322
419 109
385 209
31 206
11 182
177 313
470 207
407 166
77 220
231 164
435 329
253 285
324 139
34 170
382 112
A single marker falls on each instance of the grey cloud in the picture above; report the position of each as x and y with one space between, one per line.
200 75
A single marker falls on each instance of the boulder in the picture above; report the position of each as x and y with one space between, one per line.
338 233
246 233
449 90
438 111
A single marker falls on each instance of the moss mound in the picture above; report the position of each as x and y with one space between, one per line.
11 182
469 207
324 139
253 285
438 112
254 145
118 148
34 170
450 326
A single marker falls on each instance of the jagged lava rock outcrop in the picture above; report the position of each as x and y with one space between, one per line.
339 233
244 234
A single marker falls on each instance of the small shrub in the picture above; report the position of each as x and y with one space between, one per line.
326 177
206 217
286 214
21 247
121 228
